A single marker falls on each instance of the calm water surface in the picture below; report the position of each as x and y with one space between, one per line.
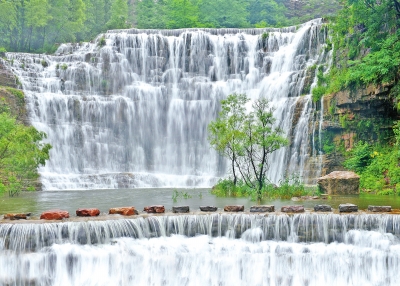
37 202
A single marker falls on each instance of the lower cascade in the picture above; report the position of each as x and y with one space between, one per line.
212 249
132 108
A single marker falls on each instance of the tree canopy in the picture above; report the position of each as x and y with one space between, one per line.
246 138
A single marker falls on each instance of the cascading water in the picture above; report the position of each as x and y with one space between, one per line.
216 249
132 109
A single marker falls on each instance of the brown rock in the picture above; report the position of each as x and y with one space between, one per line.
17 216
87 212
340 183
379 208
262 209
292 209
123 211
234 208
54 215
154 209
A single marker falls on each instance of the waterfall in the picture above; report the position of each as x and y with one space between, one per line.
210 249
131 109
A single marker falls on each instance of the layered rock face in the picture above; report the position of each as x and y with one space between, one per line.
340 183
364 114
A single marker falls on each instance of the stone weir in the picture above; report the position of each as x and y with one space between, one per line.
306 227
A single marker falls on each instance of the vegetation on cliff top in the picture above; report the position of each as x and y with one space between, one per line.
38 25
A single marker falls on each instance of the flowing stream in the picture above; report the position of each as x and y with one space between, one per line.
215 249
131 109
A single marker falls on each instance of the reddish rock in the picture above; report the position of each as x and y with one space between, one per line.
154 209
123 211
234 208
54 215
17 216
292 209
87 212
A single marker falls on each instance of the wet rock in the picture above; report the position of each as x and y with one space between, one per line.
208 209
154 209
348 208
123 211
295 199
322 208
87 212
54 215
379 208
340 183
17 216
292 209
181 209
234 208
262 209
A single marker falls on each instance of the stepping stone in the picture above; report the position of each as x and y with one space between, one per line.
181 209
234 208
87 212
292 209
348 208
262 209
124 211
154 209
54 215
17 216
208 209
322 208
380 209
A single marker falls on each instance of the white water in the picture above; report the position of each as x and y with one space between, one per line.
134 113
343 250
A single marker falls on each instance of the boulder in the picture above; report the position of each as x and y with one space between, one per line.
208 209
292 209
340 183
234 208
322 208
87 212
123 211
54 215
262 209
181 209
348 208
17 216
154 209
379 208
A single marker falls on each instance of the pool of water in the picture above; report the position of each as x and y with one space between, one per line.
37 202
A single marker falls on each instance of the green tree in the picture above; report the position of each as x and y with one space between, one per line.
21 153
150 14
119 15
181 14
246 138
226 132
224 13
262 138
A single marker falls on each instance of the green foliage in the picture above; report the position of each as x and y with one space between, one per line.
247 138
287 188
64 67
102 41
21 153
360 157
37 25
176 195
318 92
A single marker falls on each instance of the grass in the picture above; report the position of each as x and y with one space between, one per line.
288 188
